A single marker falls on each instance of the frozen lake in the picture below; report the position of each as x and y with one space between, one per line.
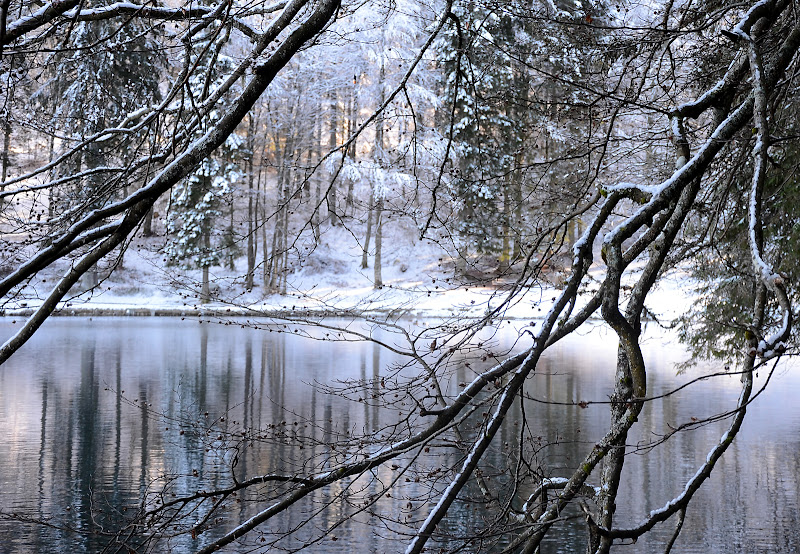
95 412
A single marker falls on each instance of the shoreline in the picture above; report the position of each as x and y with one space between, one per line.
222 312
667 302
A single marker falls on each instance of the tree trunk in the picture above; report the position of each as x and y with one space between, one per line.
205 292
379 156
332 143
378 240
278 258
264 249
6 145
147 226
231 240
517 195
315 215
316 139
331 200
270 275
284 252
52 195
8 105
615 459
252 203
251 252
351 151
505 253
364 256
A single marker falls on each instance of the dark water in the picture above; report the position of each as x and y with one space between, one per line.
95 412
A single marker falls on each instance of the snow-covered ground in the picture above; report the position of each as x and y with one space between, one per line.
419 281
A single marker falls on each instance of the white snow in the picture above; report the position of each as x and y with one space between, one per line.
418 281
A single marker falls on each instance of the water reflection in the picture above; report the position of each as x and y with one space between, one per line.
96 412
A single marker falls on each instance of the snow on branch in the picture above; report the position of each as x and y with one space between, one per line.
39 18
633 191
773 281
173 14
737 69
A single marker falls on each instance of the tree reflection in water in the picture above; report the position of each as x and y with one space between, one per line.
102 414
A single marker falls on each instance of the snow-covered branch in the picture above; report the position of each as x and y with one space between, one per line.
775 344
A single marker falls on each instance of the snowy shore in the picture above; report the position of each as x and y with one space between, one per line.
418 281
673 298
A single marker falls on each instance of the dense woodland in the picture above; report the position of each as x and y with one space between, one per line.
528 141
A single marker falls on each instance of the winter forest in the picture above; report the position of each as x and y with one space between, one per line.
251 163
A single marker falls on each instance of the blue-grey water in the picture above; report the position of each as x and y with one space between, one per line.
95 412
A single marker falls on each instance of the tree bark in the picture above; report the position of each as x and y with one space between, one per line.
505 253
6 145
377 262
251 212
147 226
333 215
516 182
365 253
205 291
351 151
379 155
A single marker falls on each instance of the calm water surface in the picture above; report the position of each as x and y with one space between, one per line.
92 413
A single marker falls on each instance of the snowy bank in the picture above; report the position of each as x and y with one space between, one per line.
672 298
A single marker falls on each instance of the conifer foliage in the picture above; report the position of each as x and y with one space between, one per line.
197 204
102 71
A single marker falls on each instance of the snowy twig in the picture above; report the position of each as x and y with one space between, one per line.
583 259
40 17
174 14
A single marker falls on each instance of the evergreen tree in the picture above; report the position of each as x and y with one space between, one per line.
717 325
479 75
196 204
108 71
517 130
